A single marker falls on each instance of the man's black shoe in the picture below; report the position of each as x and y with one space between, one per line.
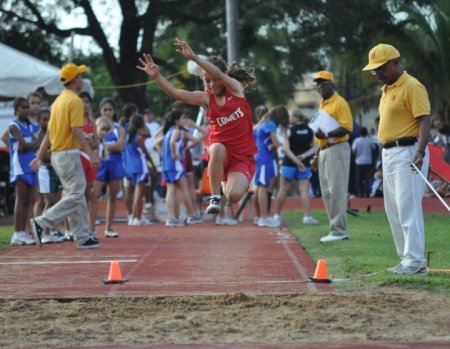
37 232
89 243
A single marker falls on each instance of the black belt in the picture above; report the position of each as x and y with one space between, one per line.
404 142
328 145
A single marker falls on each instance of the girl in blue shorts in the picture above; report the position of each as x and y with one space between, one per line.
22 149
136 157
299 149
266 167
111 171
173 170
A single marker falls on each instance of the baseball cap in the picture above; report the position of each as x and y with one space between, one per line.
70 71
323 75
381 54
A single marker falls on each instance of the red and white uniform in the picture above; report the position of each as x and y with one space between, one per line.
232 126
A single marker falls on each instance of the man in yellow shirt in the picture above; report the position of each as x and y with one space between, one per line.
65 137
403 132
334 156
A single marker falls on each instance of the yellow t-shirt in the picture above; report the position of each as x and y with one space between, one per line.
66 112
400 105
337 107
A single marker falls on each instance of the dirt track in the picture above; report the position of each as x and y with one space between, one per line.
225 319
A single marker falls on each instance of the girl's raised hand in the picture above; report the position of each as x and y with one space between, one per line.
148 65
184 49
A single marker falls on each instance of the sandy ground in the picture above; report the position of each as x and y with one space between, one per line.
354 317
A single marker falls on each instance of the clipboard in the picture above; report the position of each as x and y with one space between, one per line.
323 121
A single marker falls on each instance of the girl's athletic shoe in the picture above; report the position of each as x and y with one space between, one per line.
21 238
53 238
109 233
268 222
225 221
174 223
214 205
194 220
309 220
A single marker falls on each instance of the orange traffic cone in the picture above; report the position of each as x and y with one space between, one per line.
115 275
321 272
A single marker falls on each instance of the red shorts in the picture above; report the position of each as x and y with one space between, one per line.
89 171
242 163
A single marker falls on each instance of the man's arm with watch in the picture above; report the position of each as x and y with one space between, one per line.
339 132
424 132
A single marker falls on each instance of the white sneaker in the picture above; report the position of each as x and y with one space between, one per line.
277 219
136 222
256 220
130 219
21 238
214 205
194 220
145 221
411 270
53 238
68 235
109 233
309 220
174 223
268 222
148 207
330 238
225 221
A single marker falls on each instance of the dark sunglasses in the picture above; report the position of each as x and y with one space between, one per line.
380 69
323 82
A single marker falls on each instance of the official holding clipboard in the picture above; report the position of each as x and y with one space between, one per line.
332 127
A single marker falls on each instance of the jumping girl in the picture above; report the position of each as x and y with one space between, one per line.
232 143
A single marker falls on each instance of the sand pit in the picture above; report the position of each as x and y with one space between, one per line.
238 318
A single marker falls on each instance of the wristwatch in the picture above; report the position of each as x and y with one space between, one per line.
421 152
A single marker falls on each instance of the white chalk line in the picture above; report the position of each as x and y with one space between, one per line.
216 282
298 266
70 262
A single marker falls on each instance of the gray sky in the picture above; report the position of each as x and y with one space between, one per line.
108 13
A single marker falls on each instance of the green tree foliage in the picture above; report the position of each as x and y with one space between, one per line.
281 39
425 47
24 37
278 38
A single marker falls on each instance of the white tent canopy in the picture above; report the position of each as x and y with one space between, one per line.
21 74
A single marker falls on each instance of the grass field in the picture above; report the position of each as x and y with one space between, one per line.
361 261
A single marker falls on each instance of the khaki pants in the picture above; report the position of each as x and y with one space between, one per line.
67 165
334 168
403 191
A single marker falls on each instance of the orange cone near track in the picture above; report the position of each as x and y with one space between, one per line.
115 275
321 272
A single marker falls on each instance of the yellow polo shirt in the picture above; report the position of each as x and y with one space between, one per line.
337 107
66 112
400 105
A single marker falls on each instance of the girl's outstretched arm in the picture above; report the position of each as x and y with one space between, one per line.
231 84
148 66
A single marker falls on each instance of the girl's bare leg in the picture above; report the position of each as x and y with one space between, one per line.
113 189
